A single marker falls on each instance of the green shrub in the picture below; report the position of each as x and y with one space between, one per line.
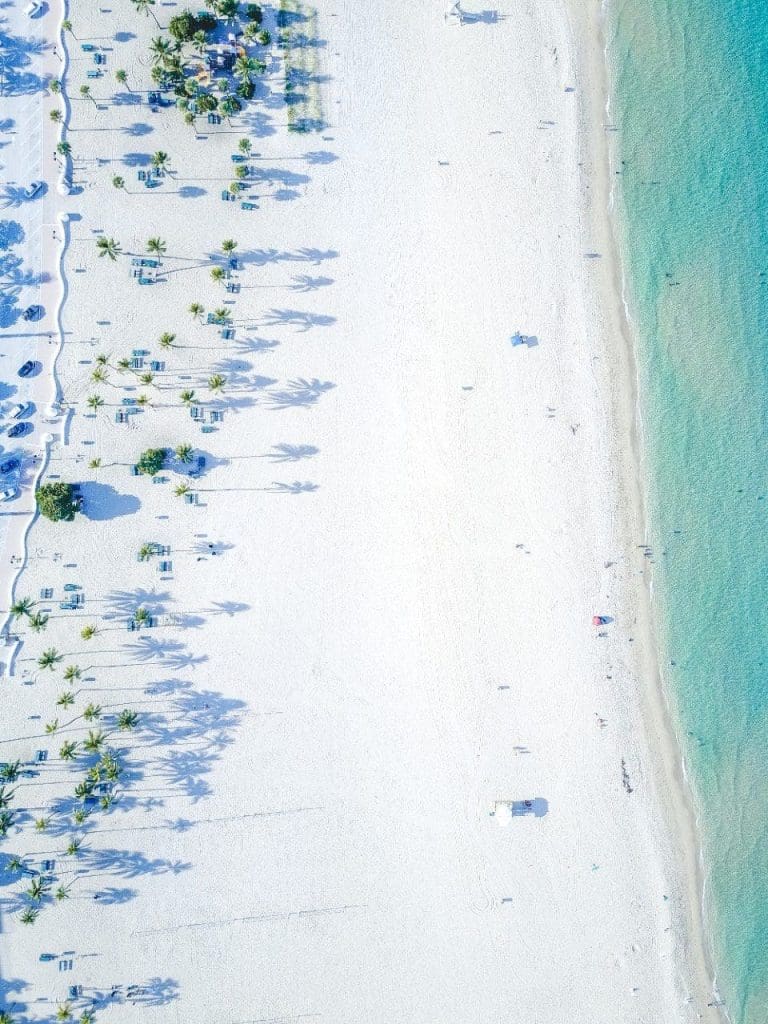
57 501
151 461
254 13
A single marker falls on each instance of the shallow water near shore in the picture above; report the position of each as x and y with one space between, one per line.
691 106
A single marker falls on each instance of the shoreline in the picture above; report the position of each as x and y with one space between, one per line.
670 777
445 711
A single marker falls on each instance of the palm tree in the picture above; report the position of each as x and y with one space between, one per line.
49 658
6 1018
200 39
5 797
51 727
37 889
244 145
22 607
229 106
184 453
228 246
106 801
94 463
196 310
15 863
111 767
235 187
118 182
66 699
38 622
6 822
80 816
189 118
146 378
85 92
187 397
87 1017
73 847
216 382
108 247
99 375
140 616
143 400
94 402
29 916
62 893
180 490
85 789
217 274
121 77
63 148
146 551
94 741
68 751
156 246
123 364
166 340
92 712
222 315
66 25
41 824
71 672
10 771
55 86
87 632
127 720
55 116
160 160
102 359
64 1011
246 67
145 7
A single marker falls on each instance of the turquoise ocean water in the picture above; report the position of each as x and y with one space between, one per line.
690 100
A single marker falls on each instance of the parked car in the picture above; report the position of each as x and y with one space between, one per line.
32 189
27 368
20 429
19 410
33 7
8 493
10 465
32 313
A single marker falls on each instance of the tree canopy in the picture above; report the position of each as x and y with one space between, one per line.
151 461
57 501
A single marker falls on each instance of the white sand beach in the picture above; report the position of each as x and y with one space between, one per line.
373 636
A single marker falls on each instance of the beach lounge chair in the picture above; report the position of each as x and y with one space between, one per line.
228 333
46 957
195 412
87 47
74 991
134 470
248 206
165 566
132 626
42 755
205 429
156 365
238 158
233 288
121 417
190 499
48 866
72 586
216 415
128 401
93 74
46 593
146 280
